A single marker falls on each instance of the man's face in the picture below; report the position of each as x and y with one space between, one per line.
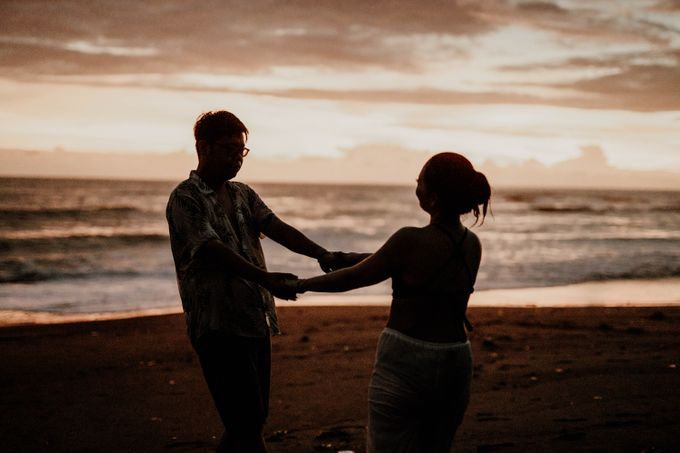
225 155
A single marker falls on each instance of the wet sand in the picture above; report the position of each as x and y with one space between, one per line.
548 379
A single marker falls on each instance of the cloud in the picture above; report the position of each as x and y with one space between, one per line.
237 36
667 5
634 81
41 39
638 87
601 21
541 8
588 170
374 163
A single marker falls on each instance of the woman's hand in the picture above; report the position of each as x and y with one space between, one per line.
281 285
300 286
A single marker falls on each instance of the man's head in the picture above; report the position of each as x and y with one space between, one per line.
220 143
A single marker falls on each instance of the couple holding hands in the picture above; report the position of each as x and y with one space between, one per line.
420 384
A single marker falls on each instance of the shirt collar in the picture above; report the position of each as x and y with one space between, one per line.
200 184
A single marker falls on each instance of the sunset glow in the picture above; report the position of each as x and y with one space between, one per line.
501 81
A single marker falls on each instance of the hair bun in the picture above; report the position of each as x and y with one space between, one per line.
459 187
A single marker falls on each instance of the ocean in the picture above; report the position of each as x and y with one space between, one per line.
96 246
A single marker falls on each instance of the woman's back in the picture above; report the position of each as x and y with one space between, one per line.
432 282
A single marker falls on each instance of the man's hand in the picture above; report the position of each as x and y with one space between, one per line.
332 261
281 285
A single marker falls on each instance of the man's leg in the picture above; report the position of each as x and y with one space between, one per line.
236 370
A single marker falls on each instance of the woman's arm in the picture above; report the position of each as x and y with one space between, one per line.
375 268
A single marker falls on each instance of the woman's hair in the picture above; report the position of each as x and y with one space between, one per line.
459 188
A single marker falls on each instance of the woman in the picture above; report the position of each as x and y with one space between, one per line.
420 385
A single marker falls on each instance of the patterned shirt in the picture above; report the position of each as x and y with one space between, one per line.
213 298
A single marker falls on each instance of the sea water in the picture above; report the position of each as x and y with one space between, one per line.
98 246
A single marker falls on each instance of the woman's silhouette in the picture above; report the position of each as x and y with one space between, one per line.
420 384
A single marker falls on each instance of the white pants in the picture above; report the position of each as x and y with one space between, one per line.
418 394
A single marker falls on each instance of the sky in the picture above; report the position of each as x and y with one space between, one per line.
510 84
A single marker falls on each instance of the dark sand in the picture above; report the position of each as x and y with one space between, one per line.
585 379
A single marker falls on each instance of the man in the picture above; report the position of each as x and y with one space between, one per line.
215 226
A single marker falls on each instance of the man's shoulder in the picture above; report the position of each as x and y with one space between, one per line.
185 192
240 185
185 187
242 188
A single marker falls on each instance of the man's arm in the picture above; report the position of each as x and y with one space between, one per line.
214 251
375 268
294 240
348 259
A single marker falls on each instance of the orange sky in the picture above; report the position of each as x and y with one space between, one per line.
504 82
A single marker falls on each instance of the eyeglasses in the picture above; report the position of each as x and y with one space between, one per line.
242 150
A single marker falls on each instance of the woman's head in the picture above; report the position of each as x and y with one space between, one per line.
449 186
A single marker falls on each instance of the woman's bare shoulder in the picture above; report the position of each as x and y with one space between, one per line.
474 239
407 234
402 239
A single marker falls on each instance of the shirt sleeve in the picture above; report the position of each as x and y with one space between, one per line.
189 223
261 213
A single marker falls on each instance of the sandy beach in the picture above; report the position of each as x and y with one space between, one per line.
546 379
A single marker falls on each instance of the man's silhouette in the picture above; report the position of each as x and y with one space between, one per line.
215 228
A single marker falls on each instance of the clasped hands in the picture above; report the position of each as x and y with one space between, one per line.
283 285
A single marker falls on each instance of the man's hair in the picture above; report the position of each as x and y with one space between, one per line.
210 126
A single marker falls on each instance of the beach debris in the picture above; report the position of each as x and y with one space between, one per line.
489 344
277 436
332 438
597 398
345 348
559 370
156 419
171 382
672 365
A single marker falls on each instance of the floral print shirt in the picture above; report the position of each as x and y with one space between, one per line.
213 298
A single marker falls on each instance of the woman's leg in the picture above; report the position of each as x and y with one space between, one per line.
450 402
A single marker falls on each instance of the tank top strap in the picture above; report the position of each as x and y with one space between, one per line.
457 251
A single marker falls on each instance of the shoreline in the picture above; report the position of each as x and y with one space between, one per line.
612 293
548 379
